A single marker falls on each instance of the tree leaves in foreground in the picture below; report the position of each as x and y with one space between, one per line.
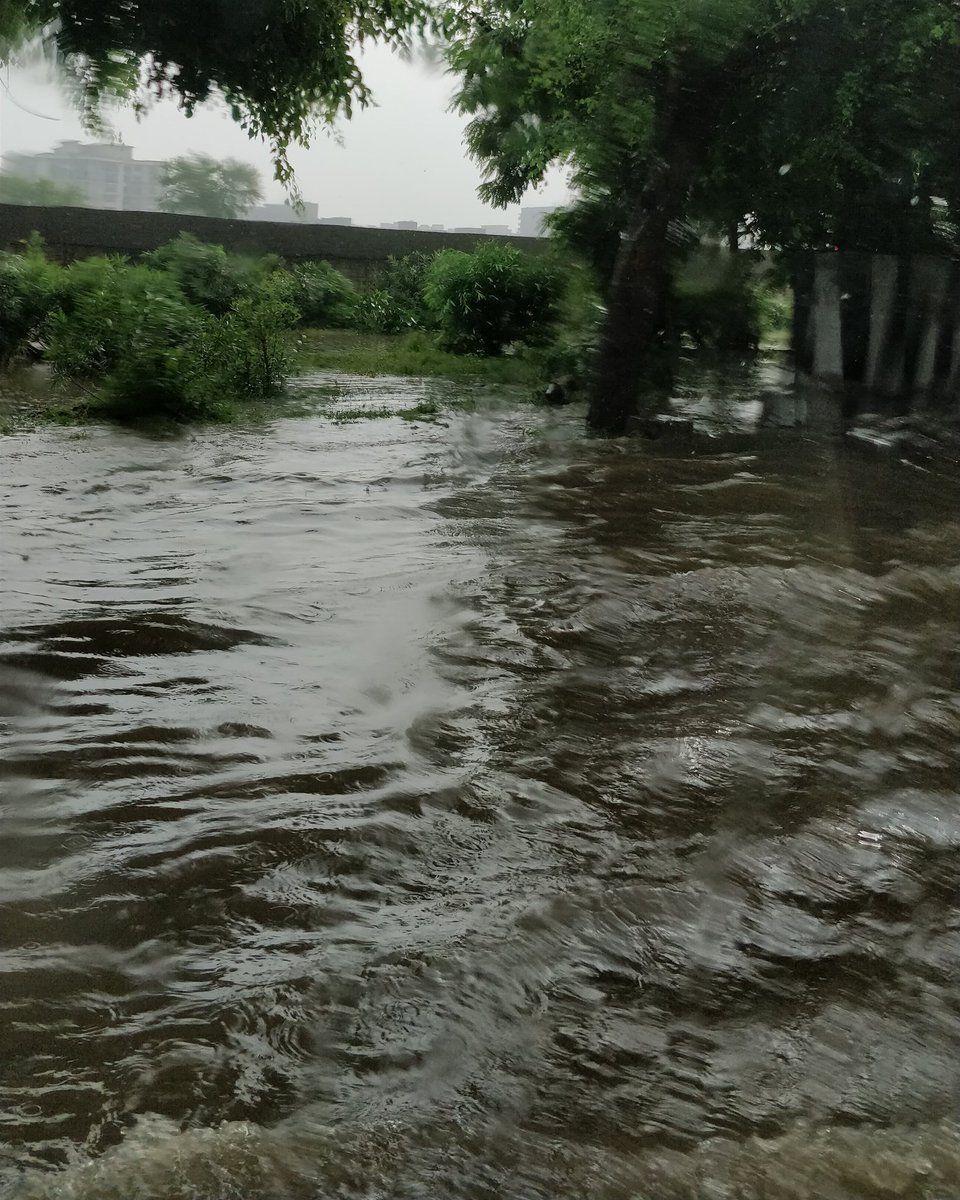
281 65
205 187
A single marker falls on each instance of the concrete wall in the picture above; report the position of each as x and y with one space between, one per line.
880 326
359 252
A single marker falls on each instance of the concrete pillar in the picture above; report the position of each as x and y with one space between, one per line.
883 299
827 320
953 383
932 283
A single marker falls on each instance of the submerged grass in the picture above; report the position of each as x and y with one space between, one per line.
416 353
425 410
31 394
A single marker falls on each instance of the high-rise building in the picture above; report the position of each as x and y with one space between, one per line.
106 174
533 220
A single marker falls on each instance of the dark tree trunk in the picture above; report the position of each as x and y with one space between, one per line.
634 329
634 332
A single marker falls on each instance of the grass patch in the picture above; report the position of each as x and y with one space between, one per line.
425 410
416 354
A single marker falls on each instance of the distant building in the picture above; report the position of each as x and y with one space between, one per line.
467 229
499 230
399 225
334 220
307 215
105 173
533 220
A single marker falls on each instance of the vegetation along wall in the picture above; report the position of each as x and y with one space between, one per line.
71 233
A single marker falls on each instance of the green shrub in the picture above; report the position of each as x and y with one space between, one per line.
484 301
246 354
320 294
379 312
211 365
404 281
30 287
115 276
716 301
397 304
103 305
207 275
158 377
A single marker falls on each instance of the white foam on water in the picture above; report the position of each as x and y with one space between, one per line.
297 1160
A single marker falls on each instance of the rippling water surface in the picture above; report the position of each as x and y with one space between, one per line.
474 810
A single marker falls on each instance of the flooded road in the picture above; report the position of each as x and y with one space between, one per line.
475 810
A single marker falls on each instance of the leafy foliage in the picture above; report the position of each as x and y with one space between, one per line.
398 303
716 301
484 301
17 189
280 66
827 123
207 275
205 187
105 306
29 290
245 354
379 311
143 341
320 294
200 371
404 280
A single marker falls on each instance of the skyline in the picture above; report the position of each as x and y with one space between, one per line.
400 159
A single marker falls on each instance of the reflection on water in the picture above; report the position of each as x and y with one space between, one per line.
477 810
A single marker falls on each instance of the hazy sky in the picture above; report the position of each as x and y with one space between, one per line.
400 160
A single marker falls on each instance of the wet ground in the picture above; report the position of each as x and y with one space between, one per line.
471 809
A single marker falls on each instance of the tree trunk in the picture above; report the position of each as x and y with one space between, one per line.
634 330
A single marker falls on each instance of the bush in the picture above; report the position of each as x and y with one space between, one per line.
404 280
160 377
484 301
379 312
246 355
103 304
716 301
133 330
320 294
208 367
207 275
29 289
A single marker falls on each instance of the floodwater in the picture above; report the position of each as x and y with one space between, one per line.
472 809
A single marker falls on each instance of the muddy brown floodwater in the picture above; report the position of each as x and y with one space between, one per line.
476 811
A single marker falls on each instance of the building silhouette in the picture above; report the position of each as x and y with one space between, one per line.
306 215
533 220
106 174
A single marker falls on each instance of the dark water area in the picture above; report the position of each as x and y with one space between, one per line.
477 810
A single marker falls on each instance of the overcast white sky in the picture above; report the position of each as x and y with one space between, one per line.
401 160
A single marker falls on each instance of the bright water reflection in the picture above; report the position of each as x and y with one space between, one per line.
477 811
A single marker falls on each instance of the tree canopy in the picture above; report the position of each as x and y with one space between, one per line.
280 64
16 189
816 119
816 123
206 187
